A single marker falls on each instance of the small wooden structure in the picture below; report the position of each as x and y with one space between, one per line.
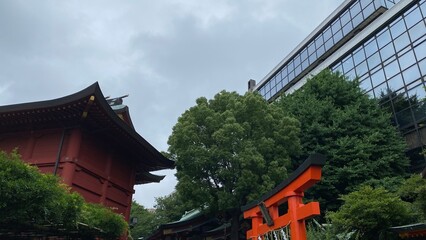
193 225
264 212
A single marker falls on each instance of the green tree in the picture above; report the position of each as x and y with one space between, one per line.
413 190
230 150
146 224
391 184
170 208
370 212
340 121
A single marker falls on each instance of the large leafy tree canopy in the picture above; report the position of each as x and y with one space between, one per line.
231 149
340 121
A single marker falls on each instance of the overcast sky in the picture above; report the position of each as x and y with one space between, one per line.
163 53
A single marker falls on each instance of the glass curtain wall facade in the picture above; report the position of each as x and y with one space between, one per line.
390 62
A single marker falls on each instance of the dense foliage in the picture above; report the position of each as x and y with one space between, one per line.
167 209
31 198
369 212
340 121
146 221
170 208
95 215
230 150
413 190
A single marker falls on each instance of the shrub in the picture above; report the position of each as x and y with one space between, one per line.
112 225
370 212
30 198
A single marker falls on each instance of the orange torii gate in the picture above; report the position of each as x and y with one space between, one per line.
264 212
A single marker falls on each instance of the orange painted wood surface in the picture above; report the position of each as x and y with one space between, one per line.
297 212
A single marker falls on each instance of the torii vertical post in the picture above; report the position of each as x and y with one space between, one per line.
291 191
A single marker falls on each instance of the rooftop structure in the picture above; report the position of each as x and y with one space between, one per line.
194 225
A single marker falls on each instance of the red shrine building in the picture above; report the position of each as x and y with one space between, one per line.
86 139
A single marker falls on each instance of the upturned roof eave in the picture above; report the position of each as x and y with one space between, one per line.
94 90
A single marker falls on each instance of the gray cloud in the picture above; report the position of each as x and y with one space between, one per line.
165 53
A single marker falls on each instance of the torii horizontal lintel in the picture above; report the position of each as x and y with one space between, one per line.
307 179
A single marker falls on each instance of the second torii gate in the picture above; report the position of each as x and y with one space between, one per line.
264 212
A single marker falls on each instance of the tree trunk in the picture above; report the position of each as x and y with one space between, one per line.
235 225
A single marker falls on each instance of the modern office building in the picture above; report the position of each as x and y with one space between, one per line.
383 43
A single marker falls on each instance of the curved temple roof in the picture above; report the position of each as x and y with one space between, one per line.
90 110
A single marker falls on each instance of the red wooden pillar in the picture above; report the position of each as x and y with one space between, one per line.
256 222
291 191
72 153
297 226
273 211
